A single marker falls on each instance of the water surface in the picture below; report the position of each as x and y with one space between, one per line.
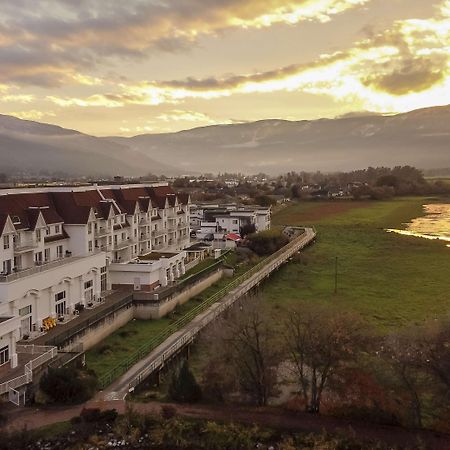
434 225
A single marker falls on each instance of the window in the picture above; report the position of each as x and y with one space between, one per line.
5 242
47 231
59 251
60 296
103 279
88 284
90 246
38 235
4 355
60 301
57 229
47 254
25 310
89 228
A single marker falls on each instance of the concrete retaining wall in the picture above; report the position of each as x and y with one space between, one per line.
147 308
102 329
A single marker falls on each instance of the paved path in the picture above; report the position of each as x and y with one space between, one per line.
157 358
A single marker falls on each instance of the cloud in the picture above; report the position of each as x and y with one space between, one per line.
32 114
48 43
18 98
179 115
403 68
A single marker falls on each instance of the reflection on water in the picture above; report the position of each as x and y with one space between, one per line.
435 225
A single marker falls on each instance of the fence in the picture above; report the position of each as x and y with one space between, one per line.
48 354
270 264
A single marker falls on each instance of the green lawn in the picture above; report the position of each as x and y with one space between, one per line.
120 345
391 280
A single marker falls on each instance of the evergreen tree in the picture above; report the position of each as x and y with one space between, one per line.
183 387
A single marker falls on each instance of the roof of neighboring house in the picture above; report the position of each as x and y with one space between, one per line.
233 237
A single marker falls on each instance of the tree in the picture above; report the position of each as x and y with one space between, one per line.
66 385
253 352
184 387
320 343
243 355
266 242
247 229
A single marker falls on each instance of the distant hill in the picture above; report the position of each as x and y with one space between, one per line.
33 146
420 138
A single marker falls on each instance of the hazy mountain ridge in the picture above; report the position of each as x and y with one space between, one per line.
420 138
32 146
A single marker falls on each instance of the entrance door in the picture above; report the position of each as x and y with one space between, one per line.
60 308
25 326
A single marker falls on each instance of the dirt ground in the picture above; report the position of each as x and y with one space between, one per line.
276 418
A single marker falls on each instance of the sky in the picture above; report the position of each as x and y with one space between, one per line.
108 67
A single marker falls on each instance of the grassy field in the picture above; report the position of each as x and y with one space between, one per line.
117 347
391 280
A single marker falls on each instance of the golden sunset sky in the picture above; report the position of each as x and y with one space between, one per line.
110 67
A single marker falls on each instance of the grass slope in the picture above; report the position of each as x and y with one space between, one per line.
391 280
121 344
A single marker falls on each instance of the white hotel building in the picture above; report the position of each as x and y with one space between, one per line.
62 248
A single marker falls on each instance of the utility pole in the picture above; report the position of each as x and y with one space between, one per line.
335 275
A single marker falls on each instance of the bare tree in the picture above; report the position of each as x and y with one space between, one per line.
402 352
319 343
246 350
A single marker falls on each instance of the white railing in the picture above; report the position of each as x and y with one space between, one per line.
27 377
40 268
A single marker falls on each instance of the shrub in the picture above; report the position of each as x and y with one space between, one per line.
184 387
66 385
266 242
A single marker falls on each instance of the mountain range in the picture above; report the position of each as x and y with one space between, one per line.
420 138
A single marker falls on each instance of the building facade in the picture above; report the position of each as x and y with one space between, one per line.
62 249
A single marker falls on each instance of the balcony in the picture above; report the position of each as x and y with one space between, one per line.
23 247
157 233
39 268
101 232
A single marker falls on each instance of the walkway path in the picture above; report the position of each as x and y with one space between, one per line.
159 356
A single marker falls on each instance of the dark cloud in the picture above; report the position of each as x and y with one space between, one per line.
78 35
408 75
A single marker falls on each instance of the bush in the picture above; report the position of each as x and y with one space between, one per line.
66 385
266 242
183 387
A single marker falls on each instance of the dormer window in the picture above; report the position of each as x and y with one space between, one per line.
5 242
16 220
38 235
47 231
57 229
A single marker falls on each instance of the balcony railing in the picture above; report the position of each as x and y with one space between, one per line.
156 233
40 267
103 231
25 246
